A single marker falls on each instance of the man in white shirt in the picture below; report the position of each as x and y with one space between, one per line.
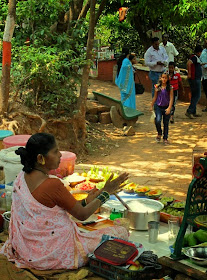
169 47
156 59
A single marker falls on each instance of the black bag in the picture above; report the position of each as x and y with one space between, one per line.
139 88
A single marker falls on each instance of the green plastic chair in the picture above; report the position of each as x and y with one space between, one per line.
196 205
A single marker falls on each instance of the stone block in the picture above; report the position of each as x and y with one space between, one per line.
92 118
93 107
105 117
128 131
117 119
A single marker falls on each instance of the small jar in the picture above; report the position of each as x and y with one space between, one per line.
115 214
2 199
8 200
2 175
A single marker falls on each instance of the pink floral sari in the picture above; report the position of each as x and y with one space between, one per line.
46 238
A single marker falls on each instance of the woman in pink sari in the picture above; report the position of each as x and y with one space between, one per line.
42 235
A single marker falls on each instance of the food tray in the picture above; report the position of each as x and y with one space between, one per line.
164 217
111 272
201 220
95 226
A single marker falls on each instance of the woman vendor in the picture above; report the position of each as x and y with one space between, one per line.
42 234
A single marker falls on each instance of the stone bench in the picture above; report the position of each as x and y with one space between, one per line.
120 115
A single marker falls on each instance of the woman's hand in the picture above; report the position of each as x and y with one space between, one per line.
93 194
112 186
167 111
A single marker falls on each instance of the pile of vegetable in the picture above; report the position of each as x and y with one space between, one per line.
173 208
195 238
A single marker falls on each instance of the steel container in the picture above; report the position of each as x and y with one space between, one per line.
6 216
140 216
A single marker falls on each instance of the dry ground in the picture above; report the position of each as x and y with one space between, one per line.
149 163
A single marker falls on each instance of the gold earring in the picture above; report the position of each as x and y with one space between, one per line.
43 161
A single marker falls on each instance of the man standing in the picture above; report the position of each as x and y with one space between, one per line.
203 59
169 47
194 78
156 59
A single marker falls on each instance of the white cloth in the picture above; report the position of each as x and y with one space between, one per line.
152 56
203 59
170 50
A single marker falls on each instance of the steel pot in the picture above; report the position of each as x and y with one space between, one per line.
143 210
6 216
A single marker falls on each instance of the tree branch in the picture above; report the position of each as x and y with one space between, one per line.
100 10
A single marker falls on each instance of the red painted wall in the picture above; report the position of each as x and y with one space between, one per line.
105 70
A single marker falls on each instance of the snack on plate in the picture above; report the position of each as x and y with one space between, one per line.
142 191
129 188
79 195
95 175
154 194
74 179
85 186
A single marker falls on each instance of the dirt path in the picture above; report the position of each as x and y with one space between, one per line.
149 163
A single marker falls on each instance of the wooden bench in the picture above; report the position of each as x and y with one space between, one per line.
120 115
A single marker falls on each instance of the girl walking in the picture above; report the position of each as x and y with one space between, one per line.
164 101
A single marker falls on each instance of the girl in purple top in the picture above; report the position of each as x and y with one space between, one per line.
164 100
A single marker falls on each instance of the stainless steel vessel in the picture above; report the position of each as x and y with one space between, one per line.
143 210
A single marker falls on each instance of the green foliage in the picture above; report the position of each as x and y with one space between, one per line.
45 71
118 34
50 72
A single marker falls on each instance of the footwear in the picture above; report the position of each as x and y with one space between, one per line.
172 119
166 142
190 116
197 115
158 138
204 110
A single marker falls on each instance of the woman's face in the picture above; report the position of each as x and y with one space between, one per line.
52 159
134 60
164 78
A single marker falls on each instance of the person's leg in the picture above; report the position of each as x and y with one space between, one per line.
204 84
158 120
175 97
197 95
192 107
166 119
154 77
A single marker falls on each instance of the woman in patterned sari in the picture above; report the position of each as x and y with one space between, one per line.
42 234
125 82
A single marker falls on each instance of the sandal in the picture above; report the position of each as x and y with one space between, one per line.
172 119
158 138
166 142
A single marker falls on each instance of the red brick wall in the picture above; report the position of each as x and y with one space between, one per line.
105 70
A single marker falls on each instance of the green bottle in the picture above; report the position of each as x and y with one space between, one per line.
115 214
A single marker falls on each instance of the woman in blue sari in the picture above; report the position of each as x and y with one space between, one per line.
125 82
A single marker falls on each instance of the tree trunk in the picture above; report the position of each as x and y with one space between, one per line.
79 124
141 29
6 61
100 10
73 13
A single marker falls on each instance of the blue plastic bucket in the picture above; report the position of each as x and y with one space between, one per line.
4 134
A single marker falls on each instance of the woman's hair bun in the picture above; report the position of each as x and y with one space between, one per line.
21 151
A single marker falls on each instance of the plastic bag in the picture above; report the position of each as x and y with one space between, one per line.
152 118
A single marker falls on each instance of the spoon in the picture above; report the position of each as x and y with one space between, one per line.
122 202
